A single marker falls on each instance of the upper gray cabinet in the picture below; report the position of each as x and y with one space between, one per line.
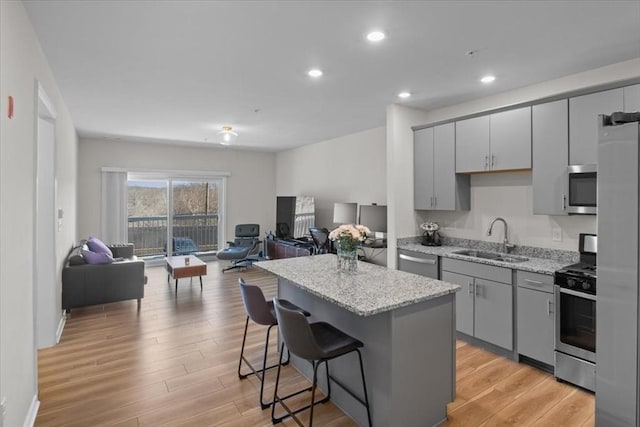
472 144
436 185
500 141
511 139
550 141
583 123
632 98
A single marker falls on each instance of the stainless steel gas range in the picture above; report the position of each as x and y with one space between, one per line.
575 296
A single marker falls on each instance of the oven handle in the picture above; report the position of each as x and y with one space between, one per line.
578 294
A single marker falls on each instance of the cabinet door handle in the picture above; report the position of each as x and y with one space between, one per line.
563 202
475 289
416 259
486 162
431 201
493 160
470 287
435 201
534 282
549 307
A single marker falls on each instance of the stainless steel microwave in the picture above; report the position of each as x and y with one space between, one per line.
583 189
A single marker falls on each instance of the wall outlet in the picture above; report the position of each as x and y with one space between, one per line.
556 234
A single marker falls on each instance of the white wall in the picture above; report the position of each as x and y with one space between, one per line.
351 168
403 220
22 63
497 194
250 188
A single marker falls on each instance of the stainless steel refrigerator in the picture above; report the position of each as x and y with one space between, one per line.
617 322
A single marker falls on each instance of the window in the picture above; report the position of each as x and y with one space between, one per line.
183 211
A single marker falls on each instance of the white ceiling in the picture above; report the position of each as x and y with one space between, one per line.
180 70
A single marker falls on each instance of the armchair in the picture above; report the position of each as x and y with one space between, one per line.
245 248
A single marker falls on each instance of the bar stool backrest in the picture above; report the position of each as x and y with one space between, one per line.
296 333
255 304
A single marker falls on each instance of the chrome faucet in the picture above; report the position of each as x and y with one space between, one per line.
507 246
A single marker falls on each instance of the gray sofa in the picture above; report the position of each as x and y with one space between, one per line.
90 284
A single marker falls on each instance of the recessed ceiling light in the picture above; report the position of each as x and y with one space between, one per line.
315 72
376 36
487 79
404 95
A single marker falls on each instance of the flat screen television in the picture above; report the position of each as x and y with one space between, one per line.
374 217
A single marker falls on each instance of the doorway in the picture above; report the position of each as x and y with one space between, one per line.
49 318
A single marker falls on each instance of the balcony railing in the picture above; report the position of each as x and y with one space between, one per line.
149 233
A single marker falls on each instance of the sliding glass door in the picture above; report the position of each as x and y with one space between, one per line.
195 216
184 212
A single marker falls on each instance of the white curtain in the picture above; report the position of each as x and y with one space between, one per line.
114 206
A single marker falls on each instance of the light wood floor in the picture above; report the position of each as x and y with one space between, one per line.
174 363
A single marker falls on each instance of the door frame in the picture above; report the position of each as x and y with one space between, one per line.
45 110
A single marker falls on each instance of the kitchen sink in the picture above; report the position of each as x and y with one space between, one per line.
496 256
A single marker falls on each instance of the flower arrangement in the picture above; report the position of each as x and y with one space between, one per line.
429 227
348 236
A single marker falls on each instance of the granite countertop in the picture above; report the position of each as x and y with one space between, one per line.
371 290
535 264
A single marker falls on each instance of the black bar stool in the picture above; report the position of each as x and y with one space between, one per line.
316 342
261 312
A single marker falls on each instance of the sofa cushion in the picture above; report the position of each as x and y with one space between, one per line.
75 256
96 245
97 257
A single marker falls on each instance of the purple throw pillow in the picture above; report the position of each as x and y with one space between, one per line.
96 245
97 257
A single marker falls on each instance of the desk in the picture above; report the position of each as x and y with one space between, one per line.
407 325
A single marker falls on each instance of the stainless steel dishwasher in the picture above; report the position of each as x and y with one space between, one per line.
418 263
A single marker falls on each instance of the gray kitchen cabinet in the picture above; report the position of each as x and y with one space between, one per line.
500 141
484 306
535 320
550 142
510 138
418 263
583 123
464 300
631 98
472 144
436 185
535 325
423 169
494 312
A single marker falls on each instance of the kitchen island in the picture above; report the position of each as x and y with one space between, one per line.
407 325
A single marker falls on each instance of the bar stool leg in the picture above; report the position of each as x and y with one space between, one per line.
244 339
364 386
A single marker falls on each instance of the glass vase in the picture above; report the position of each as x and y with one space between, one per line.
347 260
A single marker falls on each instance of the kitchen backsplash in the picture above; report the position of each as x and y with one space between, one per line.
509 195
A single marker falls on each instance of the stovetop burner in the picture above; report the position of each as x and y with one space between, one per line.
581 267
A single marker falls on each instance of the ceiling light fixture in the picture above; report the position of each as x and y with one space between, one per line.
226 136
404 94
376 36
488 79
315 73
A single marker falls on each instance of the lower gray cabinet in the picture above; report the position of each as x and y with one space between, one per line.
494 312
536 321
484 305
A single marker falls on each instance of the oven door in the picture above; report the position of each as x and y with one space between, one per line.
576 323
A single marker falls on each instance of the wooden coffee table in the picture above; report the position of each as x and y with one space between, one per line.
178 267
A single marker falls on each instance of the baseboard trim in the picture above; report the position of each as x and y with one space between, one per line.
63 321
30 420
